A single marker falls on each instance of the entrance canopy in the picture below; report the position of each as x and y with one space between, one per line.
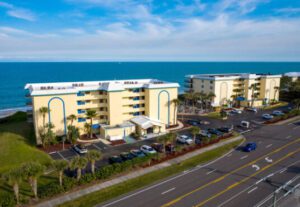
145 122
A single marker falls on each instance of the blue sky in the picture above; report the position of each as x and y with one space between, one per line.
163 30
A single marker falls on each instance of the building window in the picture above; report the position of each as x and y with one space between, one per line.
136 113
80 102
136 106
202 81
81 119
136 90
202 86
136 98
81 111
211 88
211 82
143 112
80 94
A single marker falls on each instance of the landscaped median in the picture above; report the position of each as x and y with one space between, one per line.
105 191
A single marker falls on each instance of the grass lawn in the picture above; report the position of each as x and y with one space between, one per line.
215 115
280 104
17 146
136 183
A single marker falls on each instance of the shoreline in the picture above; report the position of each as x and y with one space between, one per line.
10 111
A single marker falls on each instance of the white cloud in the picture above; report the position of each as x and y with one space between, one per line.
75 31
288 10
6 5
19 13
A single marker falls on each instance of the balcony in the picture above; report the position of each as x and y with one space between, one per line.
188 80
80 94
80 103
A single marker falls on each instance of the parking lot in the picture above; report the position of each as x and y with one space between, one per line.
234 120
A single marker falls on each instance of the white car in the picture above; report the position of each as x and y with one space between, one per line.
267 116
277 113
184 139
147 149
80 149
236 111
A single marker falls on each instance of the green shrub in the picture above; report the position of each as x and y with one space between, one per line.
17 117
7 200
127 165
86 178
69 183
50 190
104 172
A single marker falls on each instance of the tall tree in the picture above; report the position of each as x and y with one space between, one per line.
14 177
73 133
60 166
71 118
78 163
296 102
91 114
32 171
93 156
194 131
87 128
176 102
253 88
43 111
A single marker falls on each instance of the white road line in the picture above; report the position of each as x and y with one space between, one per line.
244 157
229 155
282 171
288 137
259 142
269 145
259 181
211 171
61 156
167 191
270 175
166 181
296 127
97 147
253 189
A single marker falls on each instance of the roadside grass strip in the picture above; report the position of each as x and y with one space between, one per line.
150 178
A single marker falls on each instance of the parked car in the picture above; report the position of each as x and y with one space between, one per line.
137 153
193 122
267 116
215 131
251 146
205 133
225 129
204 122
244 124
236 111
184 139
147 149
81 149
158 147
251 109
277 113
126 156
170 148
115 159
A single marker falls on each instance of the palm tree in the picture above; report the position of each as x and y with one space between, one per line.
194 131
60 166
90 114
71 118
93 156
297 103
43 111
73 133
252 87
87 128
171 137
32 171
78 163
176 102
210 96
276 89
14 177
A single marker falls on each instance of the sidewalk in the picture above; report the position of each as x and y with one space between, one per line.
78 193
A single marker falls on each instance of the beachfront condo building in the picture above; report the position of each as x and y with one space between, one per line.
123 107
244 89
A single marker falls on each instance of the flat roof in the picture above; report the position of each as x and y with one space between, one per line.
292 74
37 89
228 76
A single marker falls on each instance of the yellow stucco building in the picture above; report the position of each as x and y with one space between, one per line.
236 87
123 106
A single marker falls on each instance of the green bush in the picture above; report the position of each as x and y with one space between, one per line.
17 117
86 178
104 172
50 190
7 200
69 183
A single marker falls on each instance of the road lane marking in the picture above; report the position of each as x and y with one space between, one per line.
176 200
268 160
229 155
167 191
244 157
97 147
253 189
288 137
256 167
247 178
296 127
272 174
259 181
269 145
61 156
211 171
282 171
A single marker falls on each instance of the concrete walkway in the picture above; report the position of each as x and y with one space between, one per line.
76 194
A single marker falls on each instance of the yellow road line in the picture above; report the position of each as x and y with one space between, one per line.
227 174
245 179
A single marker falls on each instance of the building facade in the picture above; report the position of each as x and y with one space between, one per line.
117 104
243 89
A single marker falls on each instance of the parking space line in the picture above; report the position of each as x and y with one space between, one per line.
244 157
97 147
167 191
282 171
61 156
296 127
229 155
211 171
269 145
288 137
253 189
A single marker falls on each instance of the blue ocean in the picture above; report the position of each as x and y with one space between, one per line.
13 76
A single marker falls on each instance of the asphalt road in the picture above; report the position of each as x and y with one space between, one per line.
237 179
